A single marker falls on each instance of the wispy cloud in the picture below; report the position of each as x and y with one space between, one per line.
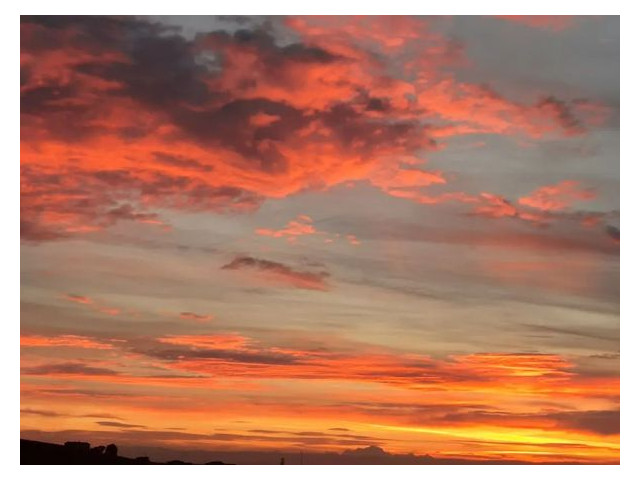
280 274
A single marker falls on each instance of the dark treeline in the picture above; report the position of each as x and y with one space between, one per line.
81 453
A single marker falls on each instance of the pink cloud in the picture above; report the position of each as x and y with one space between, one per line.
93 304
301 226
74 341
557 197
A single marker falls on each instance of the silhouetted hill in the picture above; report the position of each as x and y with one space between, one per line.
81 453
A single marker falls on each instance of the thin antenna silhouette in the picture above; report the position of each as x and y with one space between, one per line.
301 458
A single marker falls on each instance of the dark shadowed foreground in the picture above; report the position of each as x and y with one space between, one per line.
81 453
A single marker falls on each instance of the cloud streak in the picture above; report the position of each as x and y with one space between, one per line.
279 274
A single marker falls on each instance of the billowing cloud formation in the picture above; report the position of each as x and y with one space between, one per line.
279 273
113 130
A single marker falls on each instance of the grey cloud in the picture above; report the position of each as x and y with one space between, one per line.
119 425
69 368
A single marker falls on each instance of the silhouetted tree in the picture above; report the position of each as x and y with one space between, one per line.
79 447
111 451
99 450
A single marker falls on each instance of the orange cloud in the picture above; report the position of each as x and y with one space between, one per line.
221 341
544 205
495 207
490 365
557 197
194 360
233 355
108 137
295 228
470 405
73 341
302 226
262 119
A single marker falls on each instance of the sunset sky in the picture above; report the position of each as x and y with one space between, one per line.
322 234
